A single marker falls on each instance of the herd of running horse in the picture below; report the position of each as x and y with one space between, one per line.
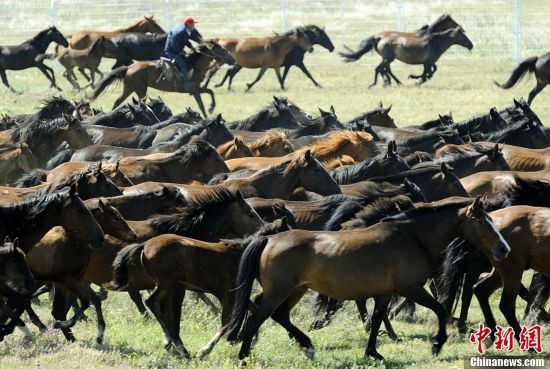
138 50
139 198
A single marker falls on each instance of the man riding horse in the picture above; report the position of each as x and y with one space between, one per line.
178 38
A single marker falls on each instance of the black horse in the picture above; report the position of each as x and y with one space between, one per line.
30 54
139 46
295 57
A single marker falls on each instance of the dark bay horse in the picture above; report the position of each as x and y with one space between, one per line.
141 75
540 65
290 263
177 264
266 52
295 57
411 50
30 54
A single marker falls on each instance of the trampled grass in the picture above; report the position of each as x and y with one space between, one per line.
464 87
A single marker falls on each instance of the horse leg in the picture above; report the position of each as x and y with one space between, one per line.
126 91
6 83
467 292
534 92
227 306
380 309
363 313
178 293
136 298
210 73
45 69
377 71
483 290
232 73
198 99
282 316
278 73
60 307
213 308
303 68
260 75
227 73
83 72
422 297
35 319
388 69
511 285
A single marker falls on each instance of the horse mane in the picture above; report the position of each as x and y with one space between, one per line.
201 203
255 118
196 147
365 115
327 147
427 209
267 139
37 131
497 136
452 155
38 35
413 171
22 216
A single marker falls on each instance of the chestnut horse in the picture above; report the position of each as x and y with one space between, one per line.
141 75
266 52
394 256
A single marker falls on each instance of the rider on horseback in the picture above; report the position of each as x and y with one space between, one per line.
177 39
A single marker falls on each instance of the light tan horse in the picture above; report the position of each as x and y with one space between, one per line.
271 145
15 159
234 149
84 39
265 52
357 145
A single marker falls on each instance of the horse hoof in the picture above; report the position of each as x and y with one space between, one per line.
310 352
203 352
436 348
183 352
99 340
374 354
319 86
211 109
167 344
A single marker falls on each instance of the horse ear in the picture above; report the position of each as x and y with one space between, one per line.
72 191
516 103
332 109
7 239
390 151
67 118
239 197
476 207
380 104
323 113
494 113
219 118
388 109
445 169
117 165
102 204
134 101
276 99
307 155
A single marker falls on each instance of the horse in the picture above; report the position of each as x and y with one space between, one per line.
51 108
266 52
62 257
540 65
272 144
278 115
358 145
141 75
302 171
87 58
234 149
289 263
526 133
528 240
83 39
295 57
378 117
32 218
43 138
198 160
161 256
30 54
16 284
15 159
518 158
411 50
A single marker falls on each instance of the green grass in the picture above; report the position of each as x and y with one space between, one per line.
464 87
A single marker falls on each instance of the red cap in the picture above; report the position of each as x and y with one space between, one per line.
189 20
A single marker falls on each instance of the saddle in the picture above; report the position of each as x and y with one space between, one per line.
170 72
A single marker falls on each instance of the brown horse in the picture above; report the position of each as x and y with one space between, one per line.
518 158
15 159
141 75
177 264
496 182
394 256
302 171
62 256
357 145
525 229
379 117
83 39
272 144
234 149
266 52
411 49
540 65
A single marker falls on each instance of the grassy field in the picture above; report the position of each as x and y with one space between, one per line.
464 87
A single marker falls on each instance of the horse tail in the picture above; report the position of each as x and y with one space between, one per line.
128 255
61 157
343 212
248 270
31 179
454 266
114 76
528 65
325 309
364 47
